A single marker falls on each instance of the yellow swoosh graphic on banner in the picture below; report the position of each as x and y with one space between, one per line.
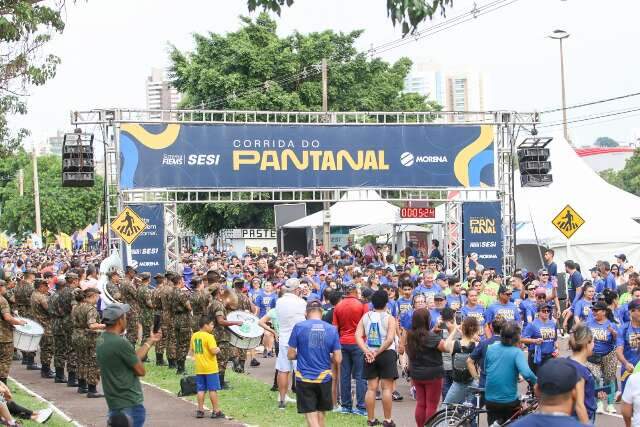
156 141
461 163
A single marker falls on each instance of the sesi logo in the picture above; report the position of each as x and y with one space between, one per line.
203 159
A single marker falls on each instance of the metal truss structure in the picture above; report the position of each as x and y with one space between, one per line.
507 124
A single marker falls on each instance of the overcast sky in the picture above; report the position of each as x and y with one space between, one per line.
109 47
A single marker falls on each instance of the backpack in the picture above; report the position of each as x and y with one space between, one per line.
374 339
460 354
187 386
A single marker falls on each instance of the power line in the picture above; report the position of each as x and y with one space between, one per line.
594 117
559 122
587 104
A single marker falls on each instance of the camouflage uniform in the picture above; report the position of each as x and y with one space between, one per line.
60 305
114 290
157 310
199 302
181 310
167 320
129 295
84 341
22 296
145 302
42 316
221 333
239 354
6 340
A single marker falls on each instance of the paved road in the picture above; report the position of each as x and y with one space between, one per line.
403 411
163 410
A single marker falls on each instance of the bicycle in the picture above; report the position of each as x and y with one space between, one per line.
468 415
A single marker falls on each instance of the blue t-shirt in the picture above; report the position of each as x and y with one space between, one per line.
589 387
427 292
544 420
265 302
404 305
546 331
508 311
528 311
610 282
602 337
552 269
254 294
477 312
392 308
629 340
407 318
503 364
599 285
314 341
478 354
582 309
455 302
573 283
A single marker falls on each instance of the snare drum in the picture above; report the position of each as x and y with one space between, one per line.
27 337
247 336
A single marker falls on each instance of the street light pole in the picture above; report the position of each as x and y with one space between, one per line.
561 35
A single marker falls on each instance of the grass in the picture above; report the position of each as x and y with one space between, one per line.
249 401
33 403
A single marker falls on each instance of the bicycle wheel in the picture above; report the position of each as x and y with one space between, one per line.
446 418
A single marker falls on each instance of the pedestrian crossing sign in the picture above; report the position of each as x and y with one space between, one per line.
568 221
128 225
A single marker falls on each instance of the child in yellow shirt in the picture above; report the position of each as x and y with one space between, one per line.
204 349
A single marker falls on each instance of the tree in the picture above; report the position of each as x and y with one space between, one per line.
628 178
243 71
408 13
605 141
25 27
62 209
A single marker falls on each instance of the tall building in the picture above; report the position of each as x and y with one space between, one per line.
54 143
160 94
454 89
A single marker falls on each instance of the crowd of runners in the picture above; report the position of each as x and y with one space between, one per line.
345 326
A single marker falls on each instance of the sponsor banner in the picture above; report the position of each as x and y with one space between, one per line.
482 234
147 251
272 156
248 233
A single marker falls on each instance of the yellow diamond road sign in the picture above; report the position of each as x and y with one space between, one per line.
568 221
128 225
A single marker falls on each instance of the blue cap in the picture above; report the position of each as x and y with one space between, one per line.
441 276
557 376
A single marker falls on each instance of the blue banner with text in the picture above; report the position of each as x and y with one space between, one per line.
278 156
482 235
147 251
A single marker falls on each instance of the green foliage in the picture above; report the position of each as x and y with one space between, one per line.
25 27
408 13
230 71
605 141
628 178
612 177
62 209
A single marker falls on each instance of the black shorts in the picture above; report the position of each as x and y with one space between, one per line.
313 397
384 367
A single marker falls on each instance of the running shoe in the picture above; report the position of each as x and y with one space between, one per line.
358 411
345 410
600 407
288 399
218 414
282 405
378 395
375 422
412 391
396 396
611 409
389 423
199 414
254 363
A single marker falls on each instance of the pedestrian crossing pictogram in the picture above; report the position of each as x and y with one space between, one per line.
568 221
128 225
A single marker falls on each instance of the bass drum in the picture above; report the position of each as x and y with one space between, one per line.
27 337
249 335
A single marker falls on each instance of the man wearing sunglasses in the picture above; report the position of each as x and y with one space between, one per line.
503 308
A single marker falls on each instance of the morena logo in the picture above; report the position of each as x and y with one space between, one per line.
408 159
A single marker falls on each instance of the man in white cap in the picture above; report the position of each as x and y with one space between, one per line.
290 309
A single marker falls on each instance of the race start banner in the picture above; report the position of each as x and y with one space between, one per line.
147 251
277 156
482 234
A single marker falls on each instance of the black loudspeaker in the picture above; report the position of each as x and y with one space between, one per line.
534 164
78 169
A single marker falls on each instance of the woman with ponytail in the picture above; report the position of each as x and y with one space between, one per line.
581 345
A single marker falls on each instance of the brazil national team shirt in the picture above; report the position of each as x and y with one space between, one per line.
603 339
545 330
629 340
507 311
314 341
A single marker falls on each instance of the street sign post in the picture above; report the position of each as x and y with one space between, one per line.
568 221
128 225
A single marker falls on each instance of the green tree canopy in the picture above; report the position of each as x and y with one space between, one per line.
62 209
628 178
255 69
605 141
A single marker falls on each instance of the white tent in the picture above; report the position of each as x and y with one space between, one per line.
609 227
381 229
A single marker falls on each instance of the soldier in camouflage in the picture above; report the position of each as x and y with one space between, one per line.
157 311
200 300
85 332
129 295
113 285
167 320
224 300
145 302
40 310
181 309
22 295
244 304
7 322
61 304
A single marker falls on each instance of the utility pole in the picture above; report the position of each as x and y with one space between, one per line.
36 193
326 213
21 182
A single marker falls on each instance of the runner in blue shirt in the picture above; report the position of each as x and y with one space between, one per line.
628 341
266 300
574 280
428 287
455 300
541 332
404 302
604 337
549 264
581 344
392 305
503 308
580 310
255 290
473 309
529 307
